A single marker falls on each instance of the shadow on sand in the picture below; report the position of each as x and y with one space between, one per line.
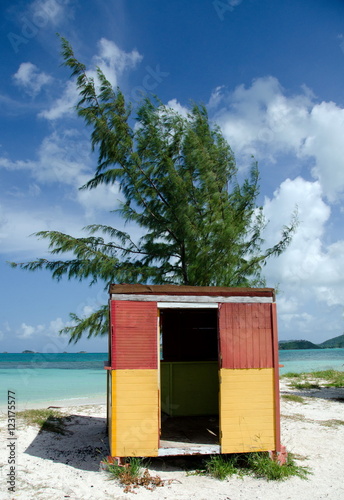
331 393
83 446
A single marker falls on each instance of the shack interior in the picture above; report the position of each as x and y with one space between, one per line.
189 378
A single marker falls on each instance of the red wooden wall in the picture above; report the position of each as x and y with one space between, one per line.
246 335
134 335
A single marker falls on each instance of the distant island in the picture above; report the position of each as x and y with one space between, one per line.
28 352
335 343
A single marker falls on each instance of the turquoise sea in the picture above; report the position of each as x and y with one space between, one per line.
50 377
79 377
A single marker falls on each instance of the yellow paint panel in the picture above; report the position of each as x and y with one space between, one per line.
247 410
135 413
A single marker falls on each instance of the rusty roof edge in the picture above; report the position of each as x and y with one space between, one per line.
190 290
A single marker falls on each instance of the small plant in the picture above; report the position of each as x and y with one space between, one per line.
261 465
293 397
334 378
332 423
131 475
48 419
304 385
312 380
258 464
220 466
292 375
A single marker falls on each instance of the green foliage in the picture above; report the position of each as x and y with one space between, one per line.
336 342
332 423
294 398
304 385
220 466
258 464
316 379
48 419
262 466
297 344
177 176
292 375
334 378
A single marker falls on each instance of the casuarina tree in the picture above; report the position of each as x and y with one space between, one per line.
178 179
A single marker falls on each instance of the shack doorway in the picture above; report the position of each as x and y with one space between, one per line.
189 381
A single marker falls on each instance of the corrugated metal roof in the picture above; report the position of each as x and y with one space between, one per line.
190 290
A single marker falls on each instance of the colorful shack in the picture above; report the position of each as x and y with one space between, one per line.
192 370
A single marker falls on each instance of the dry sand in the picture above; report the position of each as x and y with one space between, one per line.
50 466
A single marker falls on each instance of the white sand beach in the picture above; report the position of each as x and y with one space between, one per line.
52 466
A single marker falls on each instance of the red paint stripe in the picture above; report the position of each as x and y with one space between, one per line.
134 335
245 335
276 379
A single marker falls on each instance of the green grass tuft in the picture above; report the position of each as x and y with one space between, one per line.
262 466
332 423
220 466
312 380
293 397
258 464
292 375
48 419
304 385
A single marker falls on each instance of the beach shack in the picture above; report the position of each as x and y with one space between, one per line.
192 370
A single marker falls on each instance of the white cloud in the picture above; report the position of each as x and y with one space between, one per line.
301 261
64 105
262 120
62 158
26 331
103 197
111 60
309 272
31 79
17 224
43 12
42 331
179 108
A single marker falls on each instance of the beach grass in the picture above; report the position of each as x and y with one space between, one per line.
258 464
316 379
293 397
50 420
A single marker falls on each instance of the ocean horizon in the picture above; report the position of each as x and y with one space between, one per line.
39 377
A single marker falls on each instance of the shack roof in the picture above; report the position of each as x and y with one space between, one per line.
191 290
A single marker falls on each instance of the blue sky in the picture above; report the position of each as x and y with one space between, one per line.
271 74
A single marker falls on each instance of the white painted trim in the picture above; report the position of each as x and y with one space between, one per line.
190 449
202 299
186 305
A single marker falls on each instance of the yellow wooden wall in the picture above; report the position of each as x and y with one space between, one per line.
247 410
135 419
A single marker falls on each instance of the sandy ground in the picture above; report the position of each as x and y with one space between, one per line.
50 466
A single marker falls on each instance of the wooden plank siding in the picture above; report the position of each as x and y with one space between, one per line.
247 419
134 335
135 408
245 335
247 378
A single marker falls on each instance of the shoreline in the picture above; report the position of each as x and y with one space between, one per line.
58 403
